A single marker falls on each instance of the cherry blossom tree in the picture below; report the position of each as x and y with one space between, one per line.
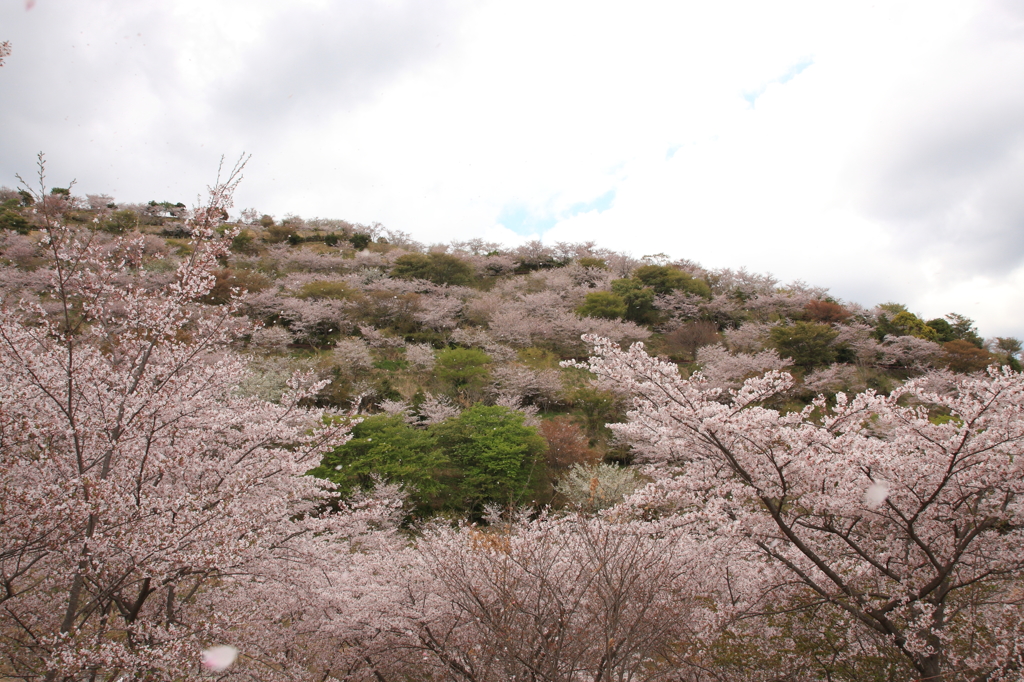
560 599
900 515
728 370
141 494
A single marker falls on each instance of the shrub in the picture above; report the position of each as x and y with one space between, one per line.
665 279
588 262
687 338
439 268
602 304
277 234
14 221
121 222
639 300
360 241
904 323
385 447
806 344
228 279
325 289
496 457
464 369
244 242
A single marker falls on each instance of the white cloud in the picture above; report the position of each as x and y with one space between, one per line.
881 154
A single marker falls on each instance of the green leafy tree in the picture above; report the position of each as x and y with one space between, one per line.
603 304
386 447
277 234
360 241
1009 345
902 323
596 408
244 242
465 370
121 222
807 344
956 327
591 262
497 458
1007 349
439 268
665 279
10 219
639 300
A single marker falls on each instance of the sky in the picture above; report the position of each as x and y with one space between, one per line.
873 149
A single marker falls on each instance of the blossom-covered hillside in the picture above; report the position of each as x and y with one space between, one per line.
313 450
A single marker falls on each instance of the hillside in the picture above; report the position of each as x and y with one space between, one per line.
316 450
419 333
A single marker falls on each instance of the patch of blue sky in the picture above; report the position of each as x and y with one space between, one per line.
796 69
521 220
600 204
792 72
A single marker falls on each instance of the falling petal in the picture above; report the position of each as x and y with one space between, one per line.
218 658
876 495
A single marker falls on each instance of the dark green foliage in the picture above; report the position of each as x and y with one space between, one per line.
439 268
121 222
903 323
597 408
496 457
943 328
1007 348
62 191
956 327
10 219
26 198
278 233
320 289
388 448
588 262
175 209
639 301
664 279
637 294
244 242
360 241
602 304
464 369
485 455
807 344
331 239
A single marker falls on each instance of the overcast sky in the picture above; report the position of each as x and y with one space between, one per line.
874 149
